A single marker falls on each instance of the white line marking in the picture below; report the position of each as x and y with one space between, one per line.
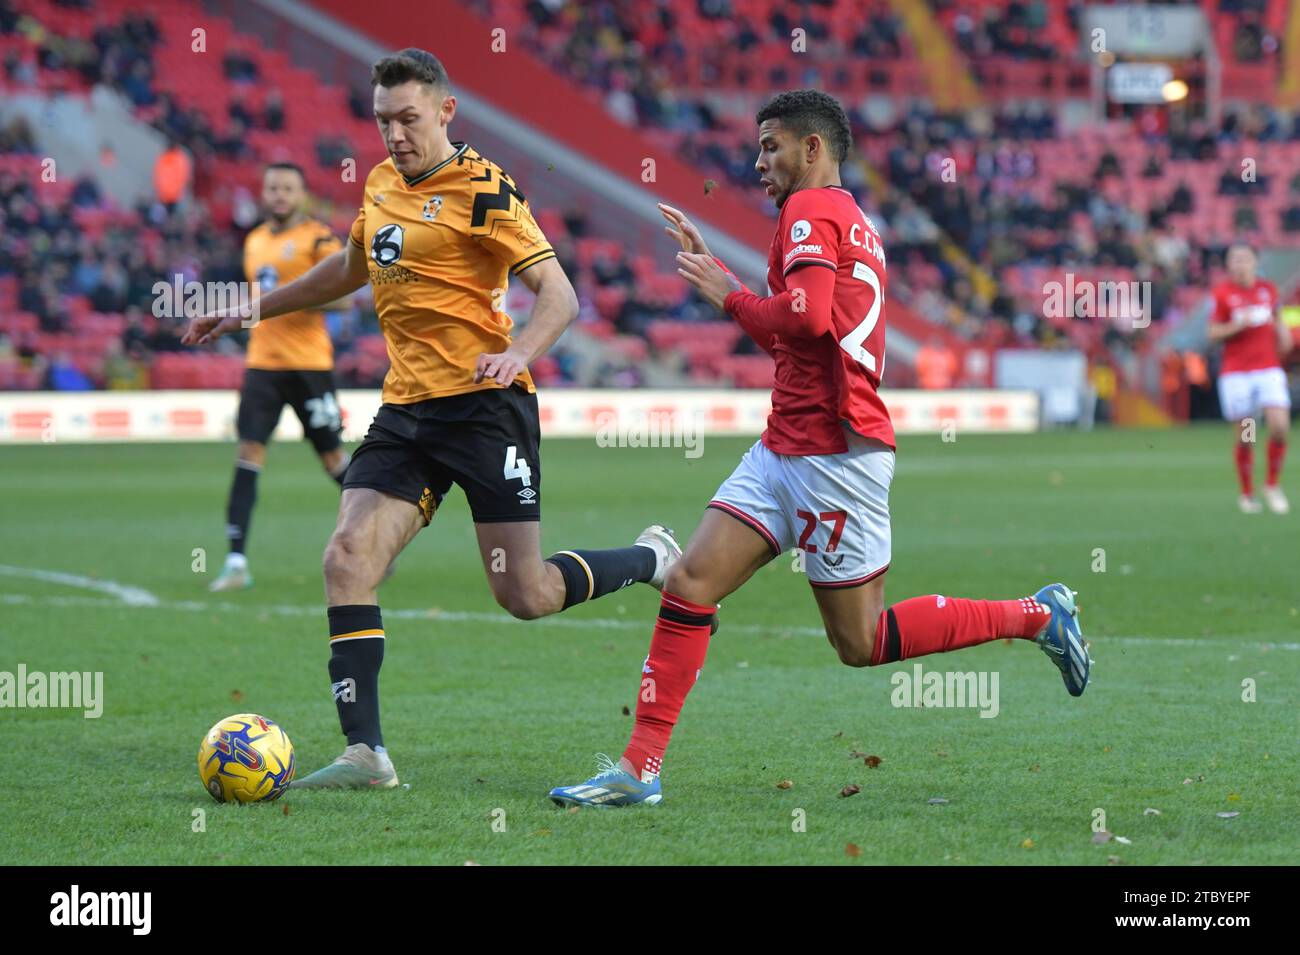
558 620
133 596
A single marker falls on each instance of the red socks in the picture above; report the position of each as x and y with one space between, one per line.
936 624
912 628
677 650
1276 452
1245 454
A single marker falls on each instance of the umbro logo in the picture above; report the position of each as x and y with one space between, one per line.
527 496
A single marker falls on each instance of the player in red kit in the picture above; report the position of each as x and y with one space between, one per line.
819 477
1251 379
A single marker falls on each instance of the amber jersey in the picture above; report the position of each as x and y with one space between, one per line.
296 341
441 247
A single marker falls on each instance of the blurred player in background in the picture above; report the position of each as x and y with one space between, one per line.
819 477
290 361
1251 379
439 233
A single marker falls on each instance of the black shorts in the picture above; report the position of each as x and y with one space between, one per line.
309 393
485 441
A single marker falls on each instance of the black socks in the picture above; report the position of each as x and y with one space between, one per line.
589 574
356 654
239 507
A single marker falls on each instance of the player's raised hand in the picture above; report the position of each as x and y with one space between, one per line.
701 271
503 367
683 230
208 328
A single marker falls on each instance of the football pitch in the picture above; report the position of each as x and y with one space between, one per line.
1192 610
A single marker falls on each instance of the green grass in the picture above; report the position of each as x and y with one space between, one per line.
484 713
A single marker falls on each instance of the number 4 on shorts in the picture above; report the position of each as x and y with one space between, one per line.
517 467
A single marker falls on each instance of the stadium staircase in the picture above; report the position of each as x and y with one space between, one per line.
951 85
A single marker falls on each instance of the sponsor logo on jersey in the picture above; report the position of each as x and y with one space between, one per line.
806 249
386 245
800 230
432 208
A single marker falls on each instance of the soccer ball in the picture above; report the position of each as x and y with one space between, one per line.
245 758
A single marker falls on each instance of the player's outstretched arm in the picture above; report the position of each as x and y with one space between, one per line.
555 308
683 230
329 279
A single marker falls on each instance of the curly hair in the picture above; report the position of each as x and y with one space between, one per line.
812 111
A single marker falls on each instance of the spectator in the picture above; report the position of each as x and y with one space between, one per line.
172 174
936 365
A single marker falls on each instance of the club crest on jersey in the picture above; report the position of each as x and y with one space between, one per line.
800 230
431 209
286 250
386 246
267 277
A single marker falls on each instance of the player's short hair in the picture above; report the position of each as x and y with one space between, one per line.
804 112
1241 244
407 65
289 167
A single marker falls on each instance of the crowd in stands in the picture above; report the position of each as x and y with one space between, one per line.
977 208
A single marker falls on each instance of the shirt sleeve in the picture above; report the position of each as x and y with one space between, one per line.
502 223
357 234
802 310
326 244
810 234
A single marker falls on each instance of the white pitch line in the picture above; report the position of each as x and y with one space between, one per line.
557 620
132 596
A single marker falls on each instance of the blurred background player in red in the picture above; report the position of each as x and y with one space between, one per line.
1251 379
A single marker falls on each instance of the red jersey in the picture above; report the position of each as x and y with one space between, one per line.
1254 347
823 381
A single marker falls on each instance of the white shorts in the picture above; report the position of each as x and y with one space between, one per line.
834 507
1243 393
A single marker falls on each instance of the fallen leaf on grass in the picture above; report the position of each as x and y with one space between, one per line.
626 711
872 762
1148 811
1233 797
857 754
1027 844
1098 838
236 695
1123 841
852 851
541 832
1227 815
838 735
1035 768
573 809
852 789
785 784
284 808
937 801
1114 860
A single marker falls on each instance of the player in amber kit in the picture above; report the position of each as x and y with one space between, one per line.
440 231
819 477
1251 379
289 362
